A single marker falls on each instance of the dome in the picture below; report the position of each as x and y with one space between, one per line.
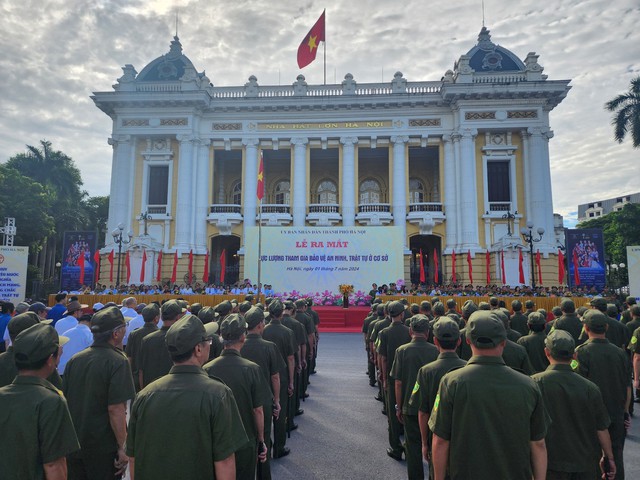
486 56
168 67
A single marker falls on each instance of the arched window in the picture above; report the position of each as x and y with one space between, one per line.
416 191
283 190
236 193
327 193
370 191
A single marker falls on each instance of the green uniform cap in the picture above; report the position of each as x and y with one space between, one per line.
276 307
468 308
106 320
224 308
289 305
419 323
195 308
536 318
598 302
36 343
612 310
529 304
245 306
595 320
183 303
233 326
171 309
485 329
446 329
150 312
630 300
438 308
567 305
207 315
23 321
560 344
300 303
254 317
395 308
185 334
516 305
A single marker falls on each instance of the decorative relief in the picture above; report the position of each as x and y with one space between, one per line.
172 122
425 122
226 126
522 114
135 122
480 115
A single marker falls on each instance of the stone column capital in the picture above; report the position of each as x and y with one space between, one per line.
348 141
186 137
299 141
399 139
468 133
250 142
116 139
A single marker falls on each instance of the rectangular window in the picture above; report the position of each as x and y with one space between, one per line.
158 185
499 181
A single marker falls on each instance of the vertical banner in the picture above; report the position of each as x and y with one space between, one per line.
585 249
633 267
13 273
77 248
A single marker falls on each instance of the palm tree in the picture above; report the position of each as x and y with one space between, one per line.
627 113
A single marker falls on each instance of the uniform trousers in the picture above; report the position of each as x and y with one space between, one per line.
264 469
618 435
88 465
280 424
246 462
395 427
413 447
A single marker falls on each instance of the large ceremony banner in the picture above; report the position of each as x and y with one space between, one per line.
585 250
76 247
315 259
633 267
13 273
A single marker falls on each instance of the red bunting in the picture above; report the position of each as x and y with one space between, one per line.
110 259
174 274
223 265
521 267
81 265
96 258
539 267
576 271
190 265
143 268
159 272
504 276
453 267
205 273
436 276
470 267
423 277
560 267
487 258
127 263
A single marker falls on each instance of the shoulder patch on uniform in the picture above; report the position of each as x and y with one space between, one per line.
634 340
436 403
574 364
416 387
553 329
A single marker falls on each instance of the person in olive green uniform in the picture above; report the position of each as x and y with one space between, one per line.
579 420
150 314
208 315
530 307
446 337
534 342
290 321
376 327
608 367
626 315
488 421
305 319
316 322
185 424
464 349
8 369
155 361
38 432
389 339
634 321
616 332
244 378
518 319
634 350
282 337
98 384
408 360
569 321
514 355
365 327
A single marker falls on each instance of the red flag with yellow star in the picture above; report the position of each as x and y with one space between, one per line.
260 189
309 46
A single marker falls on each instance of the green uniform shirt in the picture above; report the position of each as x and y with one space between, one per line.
314 317
569 322
518 323
307 322
608 367
377 328
634 343
184 415
390 339
428 380
245 380
633 325
577 412
516 357
95 378
155 361
36 428
265 355
489 413
298 329
282 337
408 360
216 346
371 327
534 345
133 348
464 350
9 371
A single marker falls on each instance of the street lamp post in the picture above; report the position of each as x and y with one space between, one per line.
118 239
527 236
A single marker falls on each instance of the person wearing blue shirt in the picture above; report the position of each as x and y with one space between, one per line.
57 311
5 316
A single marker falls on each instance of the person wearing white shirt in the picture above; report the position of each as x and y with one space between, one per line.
80 337
129 307
73 313
135 323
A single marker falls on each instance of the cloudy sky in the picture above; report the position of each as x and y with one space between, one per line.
56 52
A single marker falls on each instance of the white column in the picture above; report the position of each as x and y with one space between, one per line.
399 185
299 181
119 191
469 196
219 173
203 177
526 170
250 182
456 137
348 177
541 195
450 204
184 205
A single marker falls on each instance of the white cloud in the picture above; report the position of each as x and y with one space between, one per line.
55 53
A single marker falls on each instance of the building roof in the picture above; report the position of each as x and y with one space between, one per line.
486 56
168 67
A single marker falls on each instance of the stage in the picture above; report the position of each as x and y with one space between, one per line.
341 320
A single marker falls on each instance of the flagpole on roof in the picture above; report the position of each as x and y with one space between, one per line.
324 46
260 195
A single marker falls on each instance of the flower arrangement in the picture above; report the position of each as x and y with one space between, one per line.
345 289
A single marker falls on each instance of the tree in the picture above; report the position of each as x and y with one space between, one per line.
97 213
627 114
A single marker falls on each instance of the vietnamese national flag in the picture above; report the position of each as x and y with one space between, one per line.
560 267
190 265
576 271
436 276
260 190
521 267
144 266
223 265
453 268
174 274
470 267
309 46
81 265
488 262
539 267
423 277
127 263
504 276
159 273
205 274
110 259
96 258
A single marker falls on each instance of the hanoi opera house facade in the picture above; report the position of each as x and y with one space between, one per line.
444 162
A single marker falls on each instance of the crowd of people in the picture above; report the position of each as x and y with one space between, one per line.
222 383
494 392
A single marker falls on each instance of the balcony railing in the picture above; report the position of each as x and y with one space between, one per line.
276 208
157 209
225 208
323 208
425 207
374 207
499 206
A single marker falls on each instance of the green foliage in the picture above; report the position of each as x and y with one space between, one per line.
96 212
627 114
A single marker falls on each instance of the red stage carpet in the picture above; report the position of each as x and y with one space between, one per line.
341 320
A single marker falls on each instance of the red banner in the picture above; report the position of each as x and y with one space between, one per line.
81 265
436 276
309 46
127 263
576 266
521 267
205 273
487 258
470 267
539 267
110 259
190 265
174 273
560 267
159 272
423 277
96 258
223 265
504 276
453 266
144 266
